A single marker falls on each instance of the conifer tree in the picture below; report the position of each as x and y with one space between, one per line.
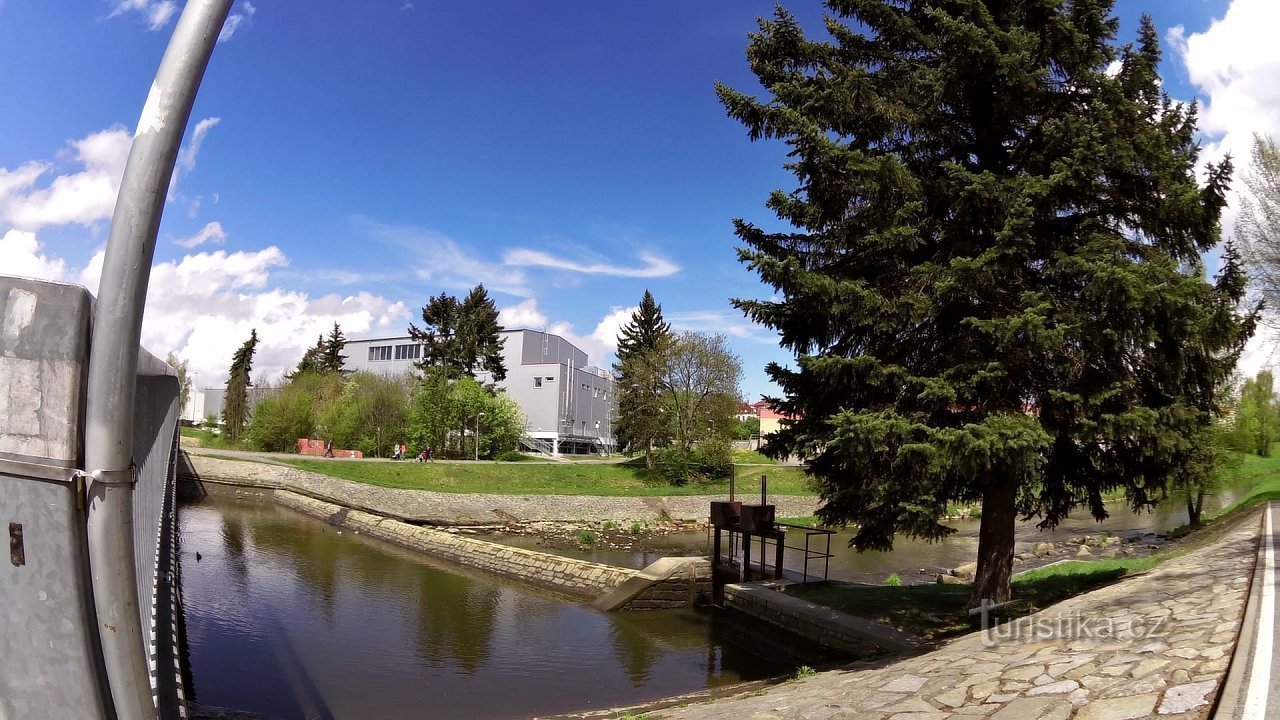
235 408
312 360
639 371
461 338
994 287
480 341
331 351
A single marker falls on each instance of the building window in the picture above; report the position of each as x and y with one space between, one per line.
379 352
408 352
537 382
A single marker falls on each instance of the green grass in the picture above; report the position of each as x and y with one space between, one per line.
802 521
934 612
612 479
751 457
207 439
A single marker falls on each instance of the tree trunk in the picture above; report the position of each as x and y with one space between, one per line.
1194 508
991 581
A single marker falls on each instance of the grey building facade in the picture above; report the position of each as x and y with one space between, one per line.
567 403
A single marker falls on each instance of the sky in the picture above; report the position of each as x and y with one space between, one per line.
347 160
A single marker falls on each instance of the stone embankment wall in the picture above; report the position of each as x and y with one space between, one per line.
678 584
827 628
438 508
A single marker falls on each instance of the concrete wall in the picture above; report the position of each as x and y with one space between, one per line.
830 629
674 587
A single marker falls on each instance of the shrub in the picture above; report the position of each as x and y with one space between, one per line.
586 537
509 456
894 580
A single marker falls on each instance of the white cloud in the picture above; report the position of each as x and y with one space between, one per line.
23 256
203 306
211 232
187 157
599 345
524 314
654 265
234 21
727 322
156 12
437 258
1233 65
82 197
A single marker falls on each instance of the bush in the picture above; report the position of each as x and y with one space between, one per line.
586 537
894 580
509 456
712 457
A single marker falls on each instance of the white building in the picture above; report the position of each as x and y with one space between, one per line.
567 404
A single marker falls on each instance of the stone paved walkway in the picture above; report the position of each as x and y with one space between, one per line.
1159 648
424 506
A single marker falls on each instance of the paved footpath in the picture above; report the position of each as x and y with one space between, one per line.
1155 645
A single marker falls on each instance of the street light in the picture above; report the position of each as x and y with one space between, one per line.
478 416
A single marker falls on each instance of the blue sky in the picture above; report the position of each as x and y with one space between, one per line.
345 160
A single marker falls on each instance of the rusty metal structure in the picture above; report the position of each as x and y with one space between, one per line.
736 527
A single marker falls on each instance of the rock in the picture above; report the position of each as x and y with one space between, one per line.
945 579
1044 549
966 571
1084 552
1091 541
1113 552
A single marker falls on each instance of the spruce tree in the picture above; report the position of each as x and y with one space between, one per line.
461 339
331 347
312 360
235 408
993 285
439 336
638 373
480 340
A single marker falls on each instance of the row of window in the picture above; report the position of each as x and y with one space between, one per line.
379 353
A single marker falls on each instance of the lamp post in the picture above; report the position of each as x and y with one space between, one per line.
478 416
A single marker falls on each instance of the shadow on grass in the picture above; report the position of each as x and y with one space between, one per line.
937 612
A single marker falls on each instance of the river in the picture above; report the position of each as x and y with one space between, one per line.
915 561
292 618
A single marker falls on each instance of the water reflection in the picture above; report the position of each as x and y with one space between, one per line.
292 618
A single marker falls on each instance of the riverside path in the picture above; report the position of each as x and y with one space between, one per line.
1153 646
1252 691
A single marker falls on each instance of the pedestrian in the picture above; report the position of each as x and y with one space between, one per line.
422 456
328 449
430 454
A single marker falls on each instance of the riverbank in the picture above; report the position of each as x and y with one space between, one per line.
426 507
1153 645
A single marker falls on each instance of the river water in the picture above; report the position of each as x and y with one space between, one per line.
915 561
292 618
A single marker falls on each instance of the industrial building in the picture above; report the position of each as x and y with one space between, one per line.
567 403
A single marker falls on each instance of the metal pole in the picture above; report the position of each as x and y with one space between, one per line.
113 357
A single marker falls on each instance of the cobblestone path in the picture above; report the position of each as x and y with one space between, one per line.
1153 646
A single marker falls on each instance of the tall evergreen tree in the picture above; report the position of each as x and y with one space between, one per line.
994 288
642 346
312 360
439 336
461 338
235 408
331 350
479 335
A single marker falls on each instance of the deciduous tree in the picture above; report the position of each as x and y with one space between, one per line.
993 282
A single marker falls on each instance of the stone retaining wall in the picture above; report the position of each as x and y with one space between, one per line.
827 628
439 508
677 586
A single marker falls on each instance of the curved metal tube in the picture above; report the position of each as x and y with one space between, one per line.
113 357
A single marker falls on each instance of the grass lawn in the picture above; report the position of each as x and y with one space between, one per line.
751 457
612 479
934 612
207 439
